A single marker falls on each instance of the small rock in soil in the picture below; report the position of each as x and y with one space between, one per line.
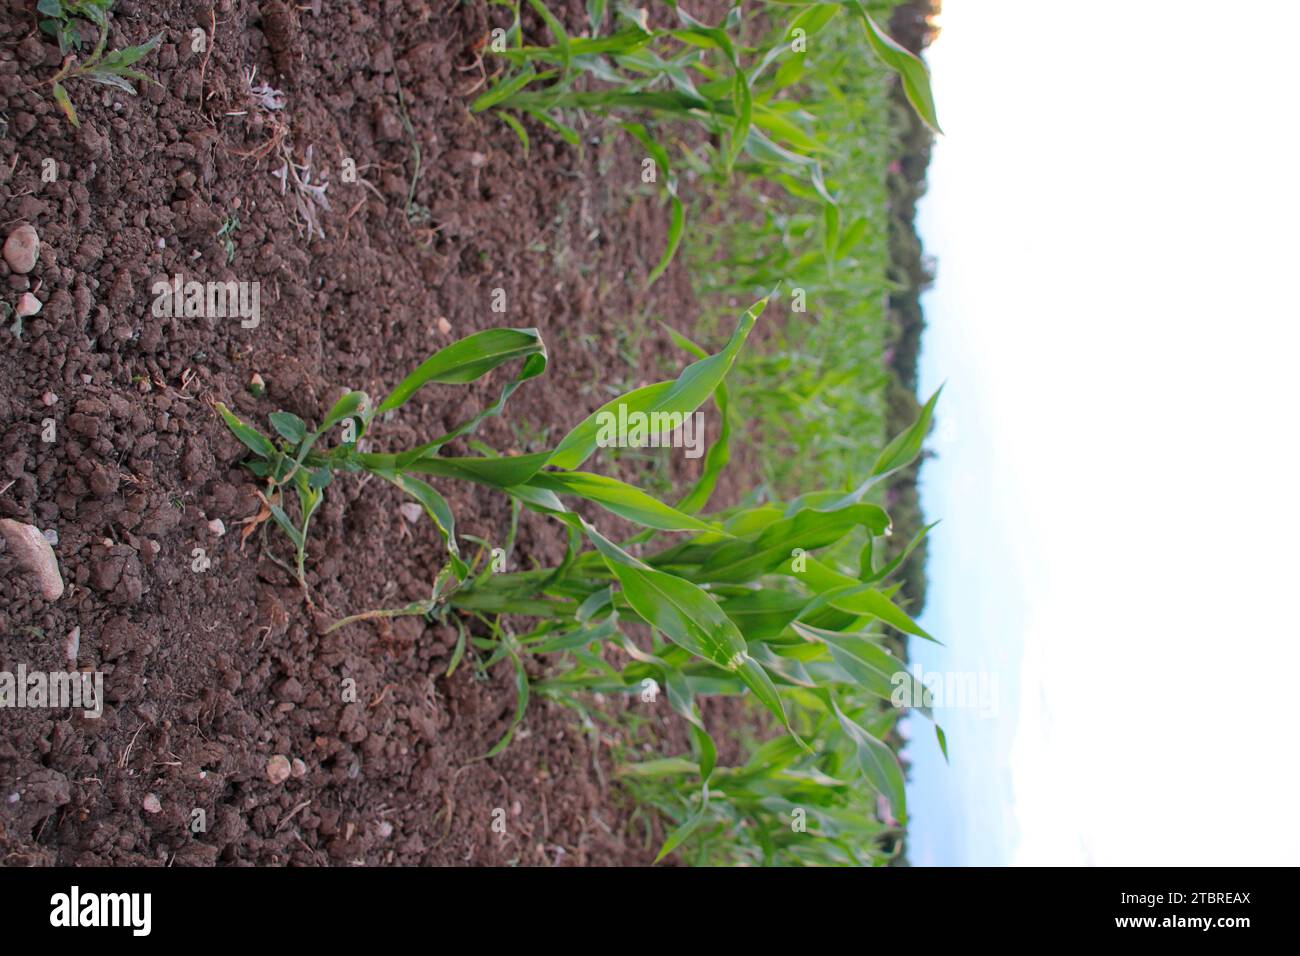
34 553
21 249
28 304
278 769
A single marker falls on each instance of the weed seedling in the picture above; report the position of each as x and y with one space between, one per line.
65 20
227 236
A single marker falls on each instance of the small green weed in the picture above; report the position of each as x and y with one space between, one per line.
66 20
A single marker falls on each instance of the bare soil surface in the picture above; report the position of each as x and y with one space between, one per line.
211 673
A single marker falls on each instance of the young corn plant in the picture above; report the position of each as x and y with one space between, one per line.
752 601
812 407
65 20
693 73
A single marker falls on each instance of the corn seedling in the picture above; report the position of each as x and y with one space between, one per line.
751 601
741 96
817 392
65 20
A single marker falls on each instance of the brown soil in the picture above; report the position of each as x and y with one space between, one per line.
211 673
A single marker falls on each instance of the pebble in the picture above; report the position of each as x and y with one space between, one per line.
34 553
48 399
21 249
299 768
217 527
72 646
411 511
28 304
278 769
151 803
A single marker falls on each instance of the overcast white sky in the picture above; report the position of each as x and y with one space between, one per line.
1115 207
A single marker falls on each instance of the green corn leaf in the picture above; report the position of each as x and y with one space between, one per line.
871 666
662 767
719 452
690 618
878 763
503 91
606 630
779 127
512 121
678 836
684 395
470 359
902 451
287 526
681 698
915 76
458 653
258 443
622 499
676 229
533 366
618 44
763 613
351 405
743 100
775 546
436 507
566 132
557 28
682 611
868 576
502 473
677 226
864 600
521 690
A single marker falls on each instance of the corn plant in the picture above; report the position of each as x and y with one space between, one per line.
817 394
697 74
65 20
752 601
